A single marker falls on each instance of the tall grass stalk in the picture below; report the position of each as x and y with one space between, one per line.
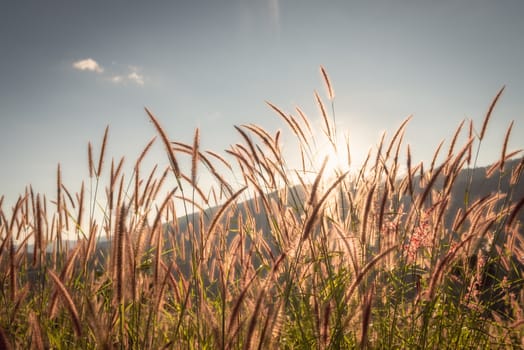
272 254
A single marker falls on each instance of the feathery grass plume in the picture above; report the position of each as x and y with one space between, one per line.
37 257
327 124
364 271
488 114
409 174
254 318
236 308
378 159
297 129
470 136
266 327
324 331
278 110
80 208
70 197
136 171
429 185
137 187
167 144
265 137
90 159
220 158
197 189
95 322
290 121
455 137
120 236
12 266
445 261
454 166
505 146
64 275
253 153
313 216
399 134
517 172
145 151
156 225
366 316
36 332
305 119
277 139
242 161
116 173
148 188
499 165
367 210
515 211
330 91
383 205
458 223
434 159
192 202
314 188
221 211
102 152
59 205
68 301
195 156
205 160
172 281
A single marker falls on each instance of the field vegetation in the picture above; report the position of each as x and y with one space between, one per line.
394 254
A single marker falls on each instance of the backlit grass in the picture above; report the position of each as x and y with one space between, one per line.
390 255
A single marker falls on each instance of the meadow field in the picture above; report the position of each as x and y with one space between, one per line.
394 254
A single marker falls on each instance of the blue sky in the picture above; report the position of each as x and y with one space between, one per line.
70 68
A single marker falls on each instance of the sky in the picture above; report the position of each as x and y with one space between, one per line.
70 68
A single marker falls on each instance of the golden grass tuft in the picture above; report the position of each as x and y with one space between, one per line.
271 254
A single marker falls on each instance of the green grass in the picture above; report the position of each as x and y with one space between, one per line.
316 259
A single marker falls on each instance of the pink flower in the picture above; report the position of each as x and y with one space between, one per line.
421 238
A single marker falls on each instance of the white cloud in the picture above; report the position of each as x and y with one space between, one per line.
131 76
88 64
117 79
116 74
136 78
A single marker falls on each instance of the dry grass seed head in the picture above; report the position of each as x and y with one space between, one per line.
488 114
102 153
305 119
313 215
515 211
195 156
36 332
64 275
455 137
442 264
90 159
327 124
70 305
516 173
167 144
397 137
499 165
505 146
329 88
365 215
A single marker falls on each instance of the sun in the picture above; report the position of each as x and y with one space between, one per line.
337 155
